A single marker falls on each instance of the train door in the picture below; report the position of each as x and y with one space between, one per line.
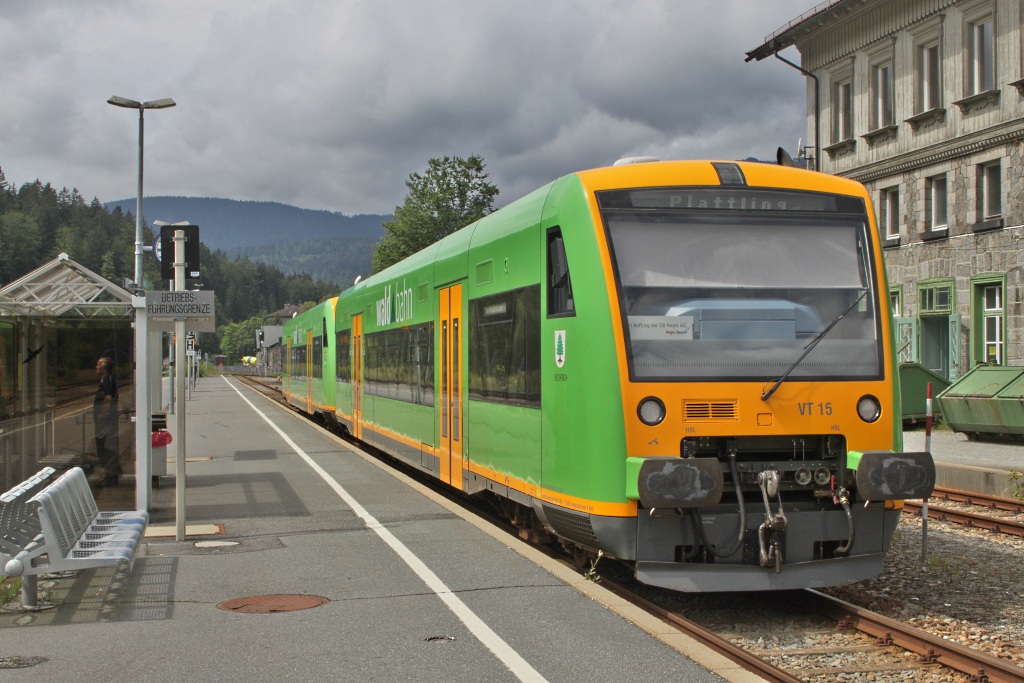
309 371
288 369
450 399
357 376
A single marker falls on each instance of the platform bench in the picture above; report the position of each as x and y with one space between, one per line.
74 534
19 523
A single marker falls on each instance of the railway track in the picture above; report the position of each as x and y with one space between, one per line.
830 637
857 642
962 512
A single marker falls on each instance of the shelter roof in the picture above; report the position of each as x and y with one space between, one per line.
64 288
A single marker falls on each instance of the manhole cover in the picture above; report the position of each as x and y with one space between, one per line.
267 604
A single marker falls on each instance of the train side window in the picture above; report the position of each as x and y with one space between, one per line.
343 355
504 348
560 299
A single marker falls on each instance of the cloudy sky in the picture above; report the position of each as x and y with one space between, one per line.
331 104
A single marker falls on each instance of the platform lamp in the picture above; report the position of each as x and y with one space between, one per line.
141 106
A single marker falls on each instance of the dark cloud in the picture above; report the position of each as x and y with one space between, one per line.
332 105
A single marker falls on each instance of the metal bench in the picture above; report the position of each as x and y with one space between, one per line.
19 525
19 521
74 535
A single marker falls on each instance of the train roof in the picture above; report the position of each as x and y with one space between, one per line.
702 172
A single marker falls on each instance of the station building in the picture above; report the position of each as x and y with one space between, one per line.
923 102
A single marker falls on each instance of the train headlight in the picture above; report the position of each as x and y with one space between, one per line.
869 408
651 411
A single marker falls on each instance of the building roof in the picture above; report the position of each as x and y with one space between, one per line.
64 288
806 23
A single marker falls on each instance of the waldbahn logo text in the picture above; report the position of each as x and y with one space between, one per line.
395 306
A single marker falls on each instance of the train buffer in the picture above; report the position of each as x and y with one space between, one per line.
60 528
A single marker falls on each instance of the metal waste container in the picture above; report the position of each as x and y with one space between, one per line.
987 400
914 379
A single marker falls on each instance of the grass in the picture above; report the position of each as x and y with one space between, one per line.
1017 484
941 566
10 589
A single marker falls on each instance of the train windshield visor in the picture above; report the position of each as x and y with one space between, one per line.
739 296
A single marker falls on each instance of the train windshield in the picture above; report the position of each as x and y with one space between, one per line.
735 284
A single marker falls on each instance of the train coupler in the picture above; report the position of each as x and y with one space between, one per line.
772 530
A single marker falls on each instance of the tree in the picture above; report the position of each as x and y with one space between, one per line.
451 194
22 240
240 338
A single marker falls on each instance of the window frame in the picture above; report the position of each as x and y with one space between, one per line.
896 300
343 355
936 193
932 290
990 177
927 52
493 374
561 302
889 215
882 92
929 77
982 314
842 109
980 69
988 195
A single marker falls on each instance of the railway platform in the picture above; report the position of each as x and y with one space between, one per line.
984 465
281 514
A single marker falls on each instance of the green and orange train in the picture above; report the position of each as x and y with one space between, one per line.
687 366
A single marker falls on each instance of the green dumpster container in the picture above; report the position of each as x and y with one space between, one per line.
987 400
914 379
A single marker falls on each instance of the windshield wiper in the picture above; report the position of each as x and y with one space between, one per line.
810 347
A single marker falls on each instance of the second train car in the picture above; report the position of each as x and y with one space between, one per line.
687 366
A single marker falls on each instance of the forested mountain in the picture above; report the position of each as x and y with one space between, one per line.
38 222
327 246
331 259
229 224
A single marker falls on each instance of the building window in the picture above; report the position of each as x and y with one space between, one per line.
992 296
989 191
929 83
988 319
935 299
842 110
881 96
981 55
935 203
889 213
896 301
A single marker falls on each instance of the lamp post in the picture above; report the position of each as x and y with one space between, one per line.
141 106
143 419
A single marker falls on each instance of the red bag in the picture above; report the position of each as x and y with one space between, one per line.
161 438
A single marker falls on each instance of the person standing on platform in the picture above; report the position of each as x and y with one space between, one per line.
104 412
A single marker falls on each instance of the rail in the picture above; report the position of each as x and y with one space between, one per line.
929 647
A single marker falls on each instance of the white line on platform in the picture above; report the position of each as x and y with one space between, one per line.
502 650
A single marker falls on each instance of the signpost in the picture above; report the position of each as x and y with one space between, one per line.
178 311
